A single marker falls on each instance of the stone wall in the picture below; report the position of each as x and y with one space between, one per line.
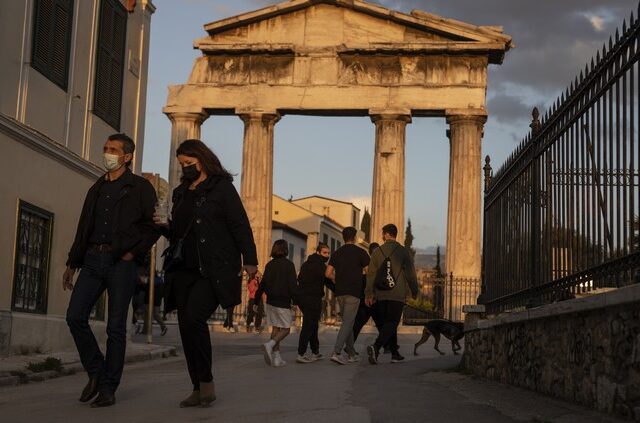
584 350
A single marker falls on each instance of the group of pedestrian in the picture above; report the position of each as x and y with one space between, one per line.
351 274
211 246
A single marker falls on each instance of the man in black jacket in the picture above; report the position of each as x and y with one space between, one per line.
311 283
114 234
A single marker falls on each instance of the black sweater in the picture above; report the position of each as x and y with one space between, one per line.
279 283
311 280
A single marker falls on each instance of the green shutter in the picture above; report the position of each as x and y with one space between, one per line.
52 26
112 35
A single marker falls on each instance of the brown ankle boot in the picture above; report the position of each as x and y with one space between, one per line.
207 394
192 400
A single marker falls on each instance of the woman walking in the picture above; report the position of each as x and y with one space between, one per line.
279 283
210 242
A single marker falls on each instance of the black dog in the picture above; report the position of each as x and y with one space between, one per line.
451 330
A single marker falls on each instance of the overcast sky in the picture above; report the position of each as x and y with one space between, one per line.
333 157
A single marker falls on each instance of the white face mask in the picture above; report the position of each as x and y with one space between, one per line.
111 162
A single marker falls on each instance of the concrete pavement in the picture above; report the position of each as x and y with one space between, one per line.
423 389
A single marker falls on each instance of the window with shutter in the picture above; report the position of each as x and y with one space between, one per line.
52 22
112 35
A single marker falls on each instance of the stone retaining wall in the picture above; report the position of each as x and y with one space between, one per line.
584 350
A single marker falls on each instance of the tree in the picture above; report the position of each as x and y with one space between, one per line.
438 268
408 240
365 225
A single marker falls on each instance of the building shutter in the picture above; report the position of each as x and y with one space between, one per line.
52 26
112 35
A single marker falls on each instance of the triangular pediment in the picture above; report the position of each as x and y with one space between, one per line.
318 24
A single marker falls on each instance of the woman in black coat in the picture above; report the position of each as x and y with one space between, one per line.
209 221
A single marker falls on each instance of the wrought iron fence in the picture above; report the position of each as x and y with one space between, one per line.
561 215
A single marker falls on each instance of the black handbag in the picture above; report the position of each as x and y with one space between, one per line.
174 253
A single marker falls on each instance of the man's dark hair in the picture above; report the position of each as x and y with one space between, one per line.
349 234
128 146
372 247
320 246
280 249
208 160
390 229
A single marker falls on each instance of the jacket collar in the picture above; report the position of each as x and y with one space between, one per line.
127 177
204 186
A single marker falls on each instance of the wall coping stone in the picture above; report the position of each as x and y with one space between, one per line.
624 295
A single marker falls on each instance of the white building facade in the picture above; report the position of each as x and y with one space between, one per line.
73 73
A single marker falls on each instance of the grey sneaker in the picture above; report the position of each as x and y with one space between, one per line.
316 357
267 350
354 358
304 359
337 358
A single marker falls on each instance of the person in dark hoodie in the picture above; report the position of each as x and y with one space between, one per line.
311 283
279 283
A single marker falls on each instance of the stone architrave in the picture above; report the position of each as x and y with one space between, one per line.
387 200
184 126
463 257
256 187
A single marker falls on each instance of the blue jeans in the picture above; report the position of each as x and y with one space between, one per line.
99 273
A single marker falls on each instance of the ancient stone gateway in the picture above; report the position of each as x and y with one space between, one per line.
347 58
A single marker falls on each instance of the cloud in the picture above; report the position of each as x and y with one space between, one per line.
597 22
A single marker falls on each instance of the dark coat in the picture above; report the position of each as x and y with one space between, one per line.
279 283
311 279
133 227
224 239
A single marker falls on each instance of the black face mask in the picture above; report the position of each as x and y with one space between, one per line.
323 258
190 173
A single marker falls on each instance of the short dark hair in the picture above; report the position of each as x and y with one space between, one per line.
372 247
349 233
321 246
208 160
128 146
390 229
280 249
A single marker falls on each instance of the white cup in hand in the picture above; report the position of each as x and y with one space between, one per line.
161 215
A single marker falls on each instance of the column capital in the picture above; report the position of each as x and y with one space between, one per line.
264 116
189 116
379 115
478 116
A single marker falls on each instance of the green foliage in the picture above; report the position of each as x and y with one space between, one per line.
365 225
420 303
49 363
438 268
408 239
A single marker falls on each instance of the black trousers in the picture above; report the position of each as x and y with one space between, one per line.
311 310
364 314
257 315
99 273
390 313
195 301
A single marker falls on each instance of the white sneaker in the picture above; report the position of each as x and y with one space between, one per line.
337 358
277 359
304 359
354 358
316 357
267 349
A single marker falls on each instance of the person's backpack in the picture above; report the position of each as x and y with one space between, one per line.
385 279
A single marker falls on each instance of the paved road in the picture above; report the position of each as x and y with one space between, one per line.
423 389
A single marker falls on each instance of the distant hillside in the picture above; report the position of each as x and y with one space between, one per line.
428 261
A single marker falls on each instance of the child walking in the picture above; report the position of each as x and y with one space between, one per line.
279 283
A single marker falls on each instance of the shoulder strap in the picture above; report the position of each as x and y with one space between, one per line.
390 255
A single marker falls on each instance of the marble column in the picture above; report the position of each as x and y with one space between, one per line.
387 200
256 187
184 126
464 225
